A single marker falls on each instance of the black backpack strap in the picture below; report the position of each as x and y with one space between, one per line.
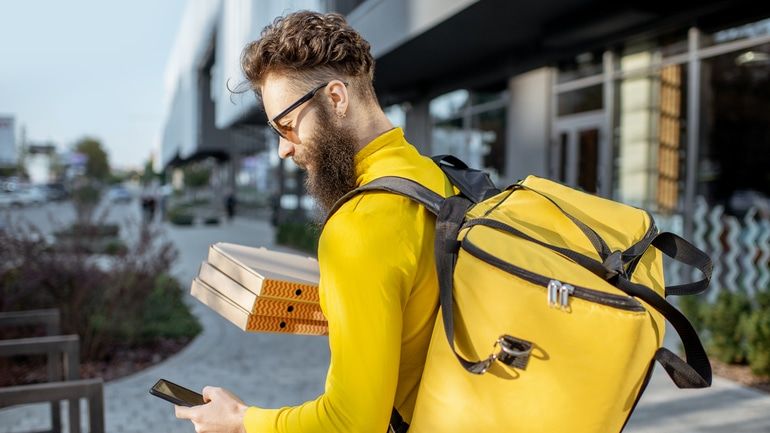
680 250
695 370
686 253
473 184
450 217
448 224
599 244
397 423
397 185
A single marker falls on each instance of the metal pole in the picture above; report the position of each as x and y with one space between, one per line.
73 373
693 128
96 410
53 327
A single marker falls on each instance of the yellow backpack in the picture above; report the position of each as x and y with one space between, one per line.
553 305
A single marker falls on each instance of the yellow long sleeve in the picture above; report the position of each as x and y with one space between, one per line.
379 294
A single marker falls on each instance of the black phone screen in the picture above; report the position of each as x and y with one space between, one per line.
176 394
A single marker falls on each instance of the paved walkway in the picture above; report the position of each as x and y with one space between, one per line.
276 370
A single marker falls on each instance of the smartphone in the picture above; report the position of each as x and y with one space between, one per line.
176 394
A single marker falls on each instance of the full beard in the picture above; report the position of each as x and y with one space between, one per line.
330 162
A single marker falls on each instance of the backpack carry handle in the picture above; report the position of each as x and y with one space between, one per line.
473 184
695 370
686 253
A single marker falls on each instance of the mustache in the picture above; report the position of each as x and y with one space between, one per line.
300 162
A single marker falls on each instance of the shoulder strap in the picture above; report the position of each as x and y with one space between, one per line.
397 185
448 224
450 214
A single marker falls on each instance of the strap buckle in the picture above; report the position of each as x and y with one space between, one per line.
514 352
613 265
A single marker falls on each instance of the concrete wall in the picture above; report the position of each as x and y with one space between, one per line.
637 168
233 23
404 20
417 128
529 118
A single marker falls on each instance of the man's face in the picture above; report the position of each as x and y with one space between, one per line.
315 139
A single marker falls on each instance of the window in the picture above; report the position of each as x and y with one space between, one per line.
471 126
735 128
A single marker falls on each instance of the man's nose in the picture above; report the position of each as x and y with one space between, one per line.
285 148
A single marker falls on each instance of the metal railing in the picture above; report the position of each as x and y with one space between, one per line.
63 370
90 389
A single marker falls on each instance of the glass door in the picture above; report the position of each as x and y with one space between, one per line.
578 140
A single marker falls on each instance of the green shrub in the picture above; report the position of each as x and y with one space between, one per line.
115 247
85 197
165 313
695 309
211 220
128 301
724 319
756 327
302 236
180 215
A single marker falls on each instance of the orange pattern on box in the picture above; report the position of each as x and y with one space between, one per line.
290 290
288 309
286 326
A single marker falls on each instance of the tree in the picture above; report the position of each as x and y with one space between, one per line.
97 166
196 176
149 174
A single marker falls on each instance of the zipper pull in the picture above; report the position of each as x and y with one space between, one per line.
564 292
554 287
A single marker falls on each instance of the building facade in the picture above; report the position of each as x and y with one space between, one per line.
8 153
652 103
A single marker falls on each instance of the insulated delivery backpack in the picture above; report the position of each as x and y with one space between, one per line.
553 307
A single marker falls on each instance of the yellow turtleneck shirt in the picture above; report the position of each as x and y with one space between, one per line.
379 293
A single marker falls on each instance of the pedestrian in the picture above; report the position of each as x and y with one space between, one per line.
230 205
378 287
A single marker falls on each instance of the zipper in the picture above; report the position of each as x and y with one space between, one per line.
558 293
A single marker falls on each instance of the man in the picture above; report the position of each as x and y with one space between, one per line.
378 283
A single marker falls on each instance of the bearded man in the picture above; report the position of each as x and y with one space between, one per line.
378 283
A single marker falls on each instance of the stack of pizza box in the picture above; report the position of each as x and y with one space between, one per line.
261 290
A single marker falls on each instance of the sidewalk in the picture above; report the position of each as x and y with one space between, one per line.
267 370
277 370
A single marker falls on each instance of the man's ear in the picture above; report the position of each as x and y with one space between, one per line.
338 93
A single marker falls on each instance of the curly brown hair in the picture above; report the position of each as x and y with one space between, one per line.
314 48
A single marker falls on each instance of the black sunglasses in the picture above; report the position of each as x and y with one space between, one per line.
308 96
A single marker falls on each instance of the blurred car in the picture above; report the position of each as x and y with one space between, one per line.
55 192
9 199
31 196
742 200
119 194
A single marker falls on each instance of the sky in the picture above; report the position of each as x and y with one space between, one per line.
75 68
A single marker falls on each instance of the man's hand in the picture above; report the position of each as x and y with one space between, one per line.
222 413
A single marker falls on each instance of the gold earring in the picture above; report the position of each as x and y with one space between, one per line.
340 115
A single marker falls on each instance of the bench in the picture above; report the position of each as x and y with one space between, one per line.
63 368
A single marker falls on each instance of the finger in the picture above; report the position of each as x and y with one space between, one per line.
209 392
183 412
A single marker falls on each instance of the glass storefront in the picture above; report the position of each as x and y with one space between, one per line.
734 161
640 119
744 32
471 126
